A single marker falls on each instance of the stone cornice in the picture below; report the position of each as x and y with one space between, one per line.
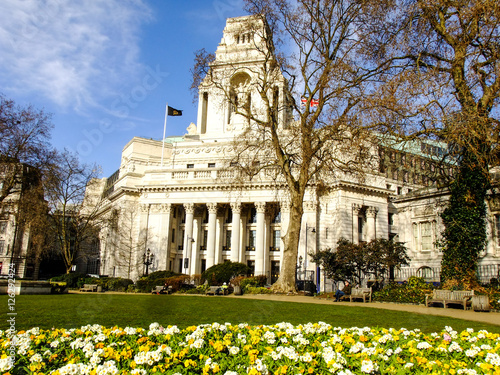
359 188
209 187
123 190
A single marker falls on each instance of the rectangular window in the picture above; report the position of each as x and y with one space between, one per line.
3 227
360 229
205 240
275 270
203 265
426 236
211 165
190 166
228 240
173 234
252 239
276 240
251 265
253 216
497 221
415 236
2 246
391 218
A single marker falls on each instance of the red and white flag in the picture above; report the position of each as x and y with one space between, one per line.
314 102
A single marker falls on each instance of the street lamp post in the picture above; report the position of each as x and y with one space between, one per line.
147 259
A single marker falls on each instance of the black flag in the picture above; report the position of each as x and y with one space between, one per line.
174 112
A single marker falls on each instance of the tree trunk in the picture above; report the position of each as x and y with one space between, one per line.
286 281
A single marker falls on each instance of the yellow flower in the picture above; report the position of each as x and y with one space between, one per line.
253 355
190 362
281 370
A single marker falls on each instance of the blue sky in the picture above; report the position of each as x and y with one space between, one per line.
106 68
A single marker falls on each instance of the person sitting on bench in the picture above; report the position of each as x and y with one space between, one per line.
346 290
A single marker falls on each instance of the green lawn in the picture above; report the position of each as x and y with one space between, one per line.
75 310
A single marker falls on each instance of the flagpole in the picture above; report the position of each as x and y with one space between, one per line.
164 130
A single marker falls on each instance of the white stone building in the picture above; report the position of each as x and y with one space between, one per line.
176 198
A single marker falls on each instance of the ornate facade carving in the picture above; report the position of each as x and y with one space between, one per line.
189 208
371 212
260 207
212 208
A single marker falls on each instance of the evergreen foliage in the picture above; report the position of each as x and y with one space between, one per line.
465 222
223 272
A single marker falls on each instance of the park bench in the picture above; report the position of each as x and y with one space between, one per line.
446 297
213 290
160 289
361 293
89 288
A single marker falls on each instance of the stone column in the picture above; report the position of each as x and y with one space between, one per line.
195 249
143 236
212 219
235 232
371 228
188 235
219 238
259 246
310 231
355 217
165 236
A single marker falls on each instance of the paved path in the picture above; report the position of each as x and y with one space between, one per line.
485 317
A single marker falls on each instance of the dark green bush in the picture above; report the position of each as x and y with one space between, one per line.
223 272
411 291
145 284
116 284
161 275
71 279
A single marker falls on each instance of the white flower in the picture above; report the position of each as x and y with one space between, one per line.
54 344
408 365
36 358
454 347
234 350
368 366
6 364
424 345
467 371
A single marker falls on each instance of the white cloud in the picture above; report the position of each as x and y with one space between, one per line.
72 52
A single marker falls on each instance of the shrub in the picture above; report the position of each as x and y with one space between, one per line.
223 272
161 275
411 291
145 284
253 282
71 279
117 284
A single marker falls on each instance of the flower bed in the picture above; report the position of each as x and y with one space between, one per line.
228 349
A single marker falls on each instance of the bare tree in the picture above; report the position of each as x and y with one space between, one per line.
24 139
307 54
124 242
74 201
444 84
